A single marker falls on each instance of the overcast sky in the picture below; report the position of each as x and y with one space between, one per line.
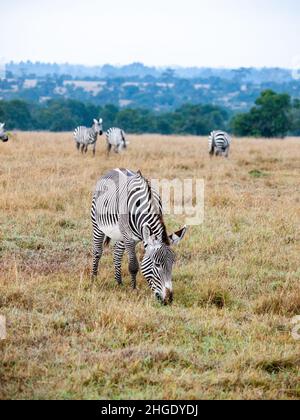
217 33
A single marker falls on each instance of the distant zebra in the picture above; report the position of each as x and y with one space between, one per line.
3 135
219 143
127 210
116 139
88 136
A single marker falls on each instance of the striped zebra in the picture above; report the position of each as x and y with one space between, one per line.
116 139
127 211
219 143
88 136
3 135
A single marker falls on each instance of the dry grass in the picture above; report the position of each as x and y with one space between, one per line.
236 280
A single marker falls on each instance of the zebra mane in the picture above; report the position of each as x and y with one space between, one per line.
165 236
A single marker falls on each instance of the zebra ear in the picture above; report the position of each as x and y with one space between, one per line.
147 236
177 237
95 121
100 121
146 233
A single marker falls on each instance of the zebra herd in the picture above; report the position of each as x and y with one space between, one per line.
127 210
219 141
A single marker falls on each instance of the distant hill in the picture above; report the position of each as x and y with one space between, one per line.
139 86
253 75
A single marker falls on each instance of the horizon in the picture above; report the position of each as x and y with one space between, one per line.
167 66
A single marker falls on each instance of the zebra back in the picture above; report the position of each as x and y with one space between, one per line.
116 137
123 192
219 141
84 135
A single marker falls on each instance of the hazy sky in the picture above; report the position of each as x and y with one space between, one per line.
226 33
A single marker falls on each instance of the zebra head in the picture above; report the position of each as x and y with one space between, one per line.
98 126
3 135
157 264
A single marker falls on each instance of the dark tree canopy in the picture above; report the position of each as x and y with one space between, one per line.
66 115
274 115
271 117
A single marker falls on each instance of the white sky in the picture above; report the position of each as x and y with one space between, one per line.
216 33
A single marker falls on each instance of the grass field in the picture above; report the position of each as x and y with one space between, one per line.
236 281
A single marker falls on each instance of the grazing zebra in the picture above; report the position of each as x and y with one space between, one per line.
219 143
127 211
88 136
3 135
115 137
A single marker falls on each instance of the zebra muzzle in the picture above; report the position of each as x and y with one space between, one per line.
168 298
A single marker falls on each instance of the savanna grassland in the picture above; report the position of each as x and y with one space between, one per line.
236 280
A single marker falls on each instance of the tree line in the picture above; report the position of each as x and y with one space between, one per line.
41 69
66 115
274 115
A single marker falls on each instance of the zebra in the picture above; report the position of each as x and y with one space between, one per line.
88 136
3 135
116 138
127 210
219 143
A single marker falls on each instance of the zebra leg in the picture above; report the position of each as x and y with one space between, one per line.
119 250
133 262
98 239
78 146
82 148
94 150
86 149
227 152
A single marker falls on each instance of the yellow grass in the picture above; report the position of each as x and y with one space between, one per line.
236 281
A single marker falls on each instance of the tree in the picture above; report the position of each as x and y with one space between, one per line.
109 114
65 115
17 115
295 118
199 119
269 118
136 120
168 75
